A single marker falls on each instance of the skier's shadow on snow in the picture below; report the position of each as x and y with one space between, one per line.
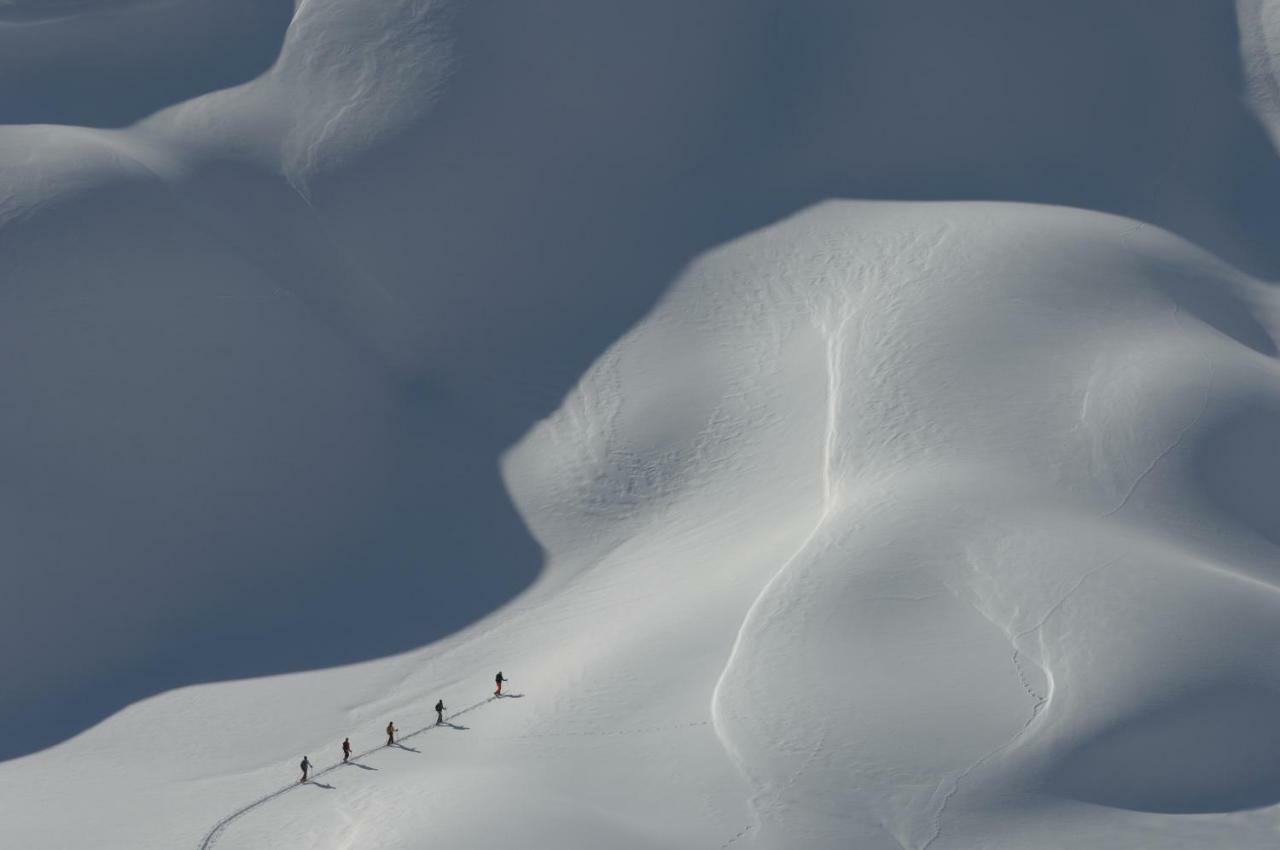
510 696
361 766
403 747
319 785
455 726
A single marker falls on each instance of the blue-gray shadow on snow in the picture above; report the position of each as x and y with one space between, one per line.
261 431
1238 469
996 100
1205 298
1214 749
109 63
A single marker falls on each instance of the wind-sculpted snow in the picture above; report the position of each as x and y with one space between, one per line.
984 611
849 423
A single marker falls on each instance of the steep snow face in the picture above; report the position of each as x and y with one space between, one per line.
410 340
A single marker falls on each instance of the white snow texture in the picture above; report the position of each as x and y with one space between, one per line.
848 423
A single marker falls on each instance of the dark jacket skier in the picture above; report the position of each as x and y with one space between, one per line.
391 733
306 765
498 680
439 712
346 749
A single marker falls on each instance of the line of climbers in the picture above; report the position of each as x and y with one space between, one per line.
392 729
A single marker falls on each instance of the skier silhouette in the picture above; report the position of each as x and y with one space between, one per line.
439 712
306 765
391 733
346 749
498 680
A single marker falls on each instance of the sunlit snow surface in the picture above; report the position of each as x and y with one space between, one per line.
849 425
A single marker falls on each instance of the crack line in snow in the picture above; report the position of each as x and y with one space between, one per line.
1042 699
1204 407
1057 606
835 341
211 837
1038 705
964 774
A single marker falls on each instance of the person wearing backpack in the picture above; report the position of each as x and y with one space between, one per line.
439 712
391 733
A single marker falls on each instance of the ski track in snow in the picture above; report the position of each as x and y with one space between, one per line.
216 832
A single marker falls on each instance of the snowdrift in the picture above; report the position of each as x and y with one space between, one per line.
407 341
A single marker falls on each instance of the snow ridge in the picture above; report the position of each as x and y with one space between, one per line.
834 341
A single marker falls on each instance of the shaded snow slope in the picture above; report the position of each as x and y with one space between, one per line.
416 340
109 63
830 597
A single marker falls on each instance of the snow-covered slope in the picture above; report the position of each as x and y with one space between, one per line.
421 340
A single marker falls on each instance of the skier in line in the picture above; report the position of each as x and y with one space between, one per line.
391 733
439 712
306 765
346 749
498 680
